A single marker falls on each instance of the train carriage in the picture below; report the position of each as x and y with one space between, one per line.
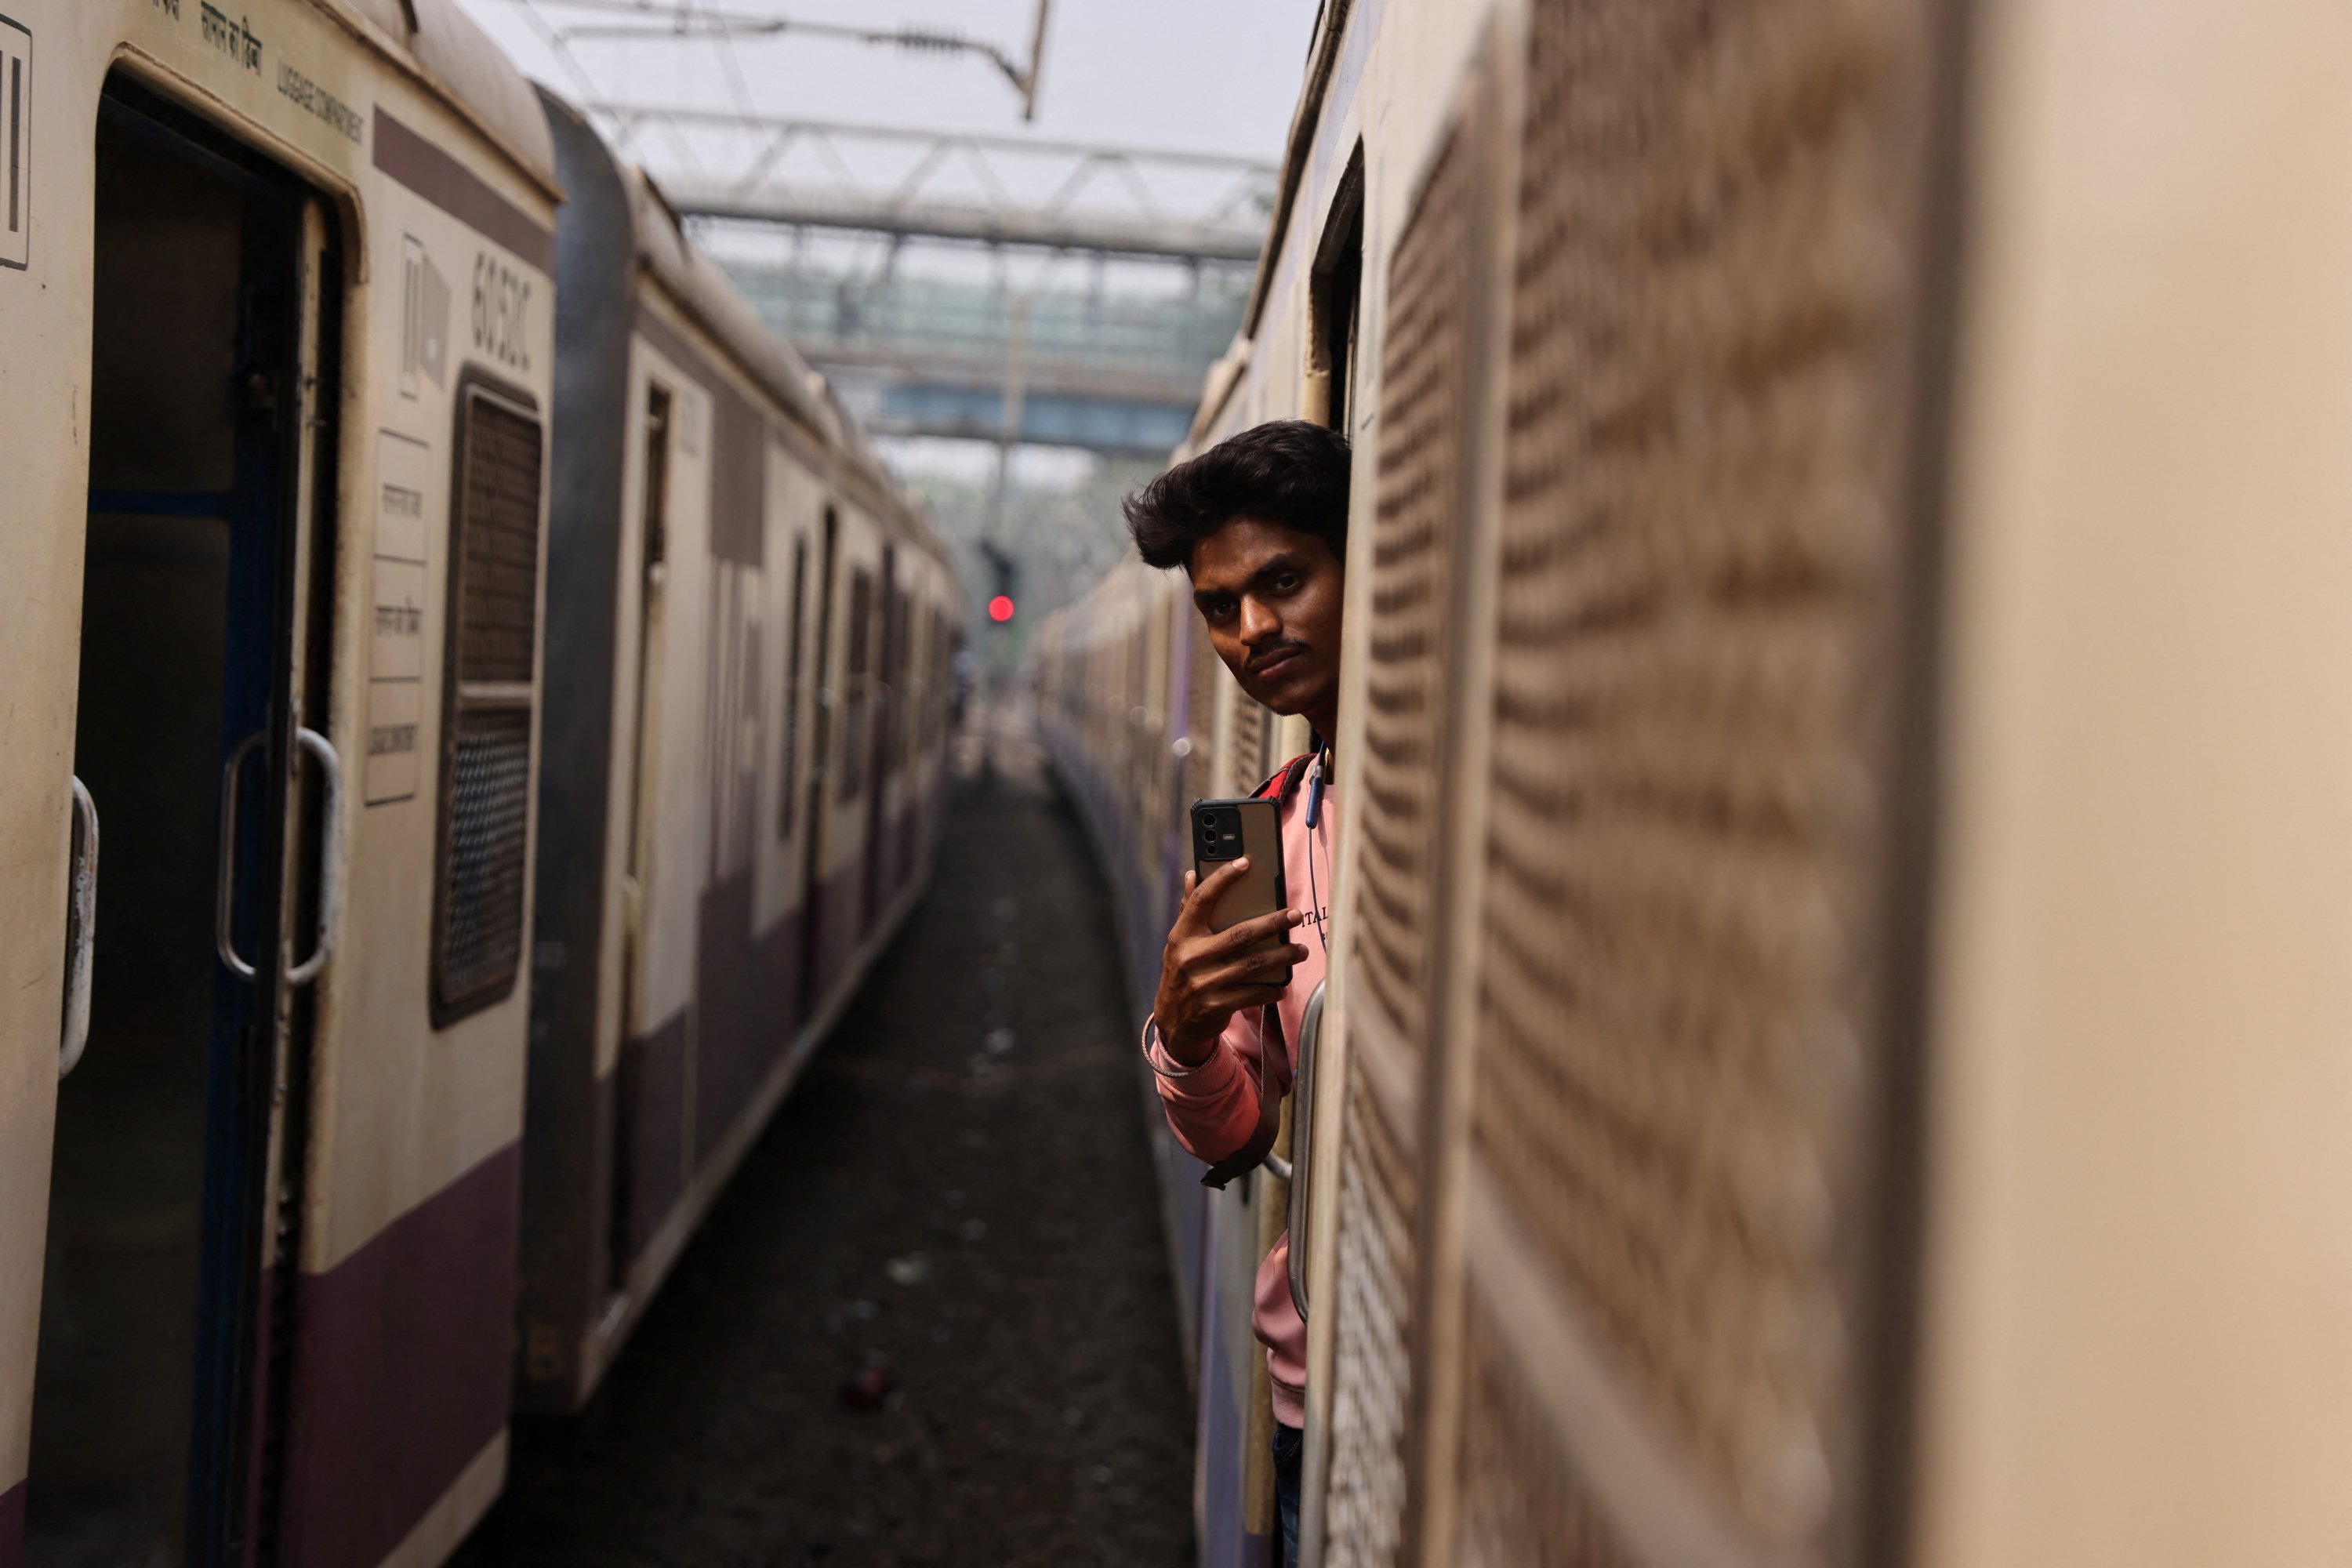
338 1067
1833 1053
746 757
277 300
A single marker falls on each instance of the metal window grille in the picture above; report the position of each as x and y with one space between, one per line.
493 641
1684 909
1413 533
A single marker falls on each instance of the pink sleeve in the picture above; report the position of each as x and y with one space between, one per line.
1214 1108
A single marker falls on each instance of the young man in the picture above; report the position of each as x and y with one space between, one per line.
1259 523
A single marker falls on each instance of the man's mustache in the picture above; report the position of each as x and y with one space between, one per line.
1267 656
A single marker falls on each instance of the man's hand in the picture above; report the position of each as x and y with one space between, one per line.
1207 976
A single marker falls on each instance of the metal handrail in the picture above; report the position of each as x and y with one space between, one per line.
81 960
331 865
224 883
330 860
1302 1145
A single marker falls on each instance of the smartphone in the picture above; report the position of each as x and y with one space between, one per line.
1226 830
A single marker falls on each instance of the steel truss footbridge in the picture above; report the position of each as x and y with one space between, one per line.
996 288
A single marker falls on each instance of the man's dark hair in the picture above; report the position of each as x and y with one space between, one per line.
1286 471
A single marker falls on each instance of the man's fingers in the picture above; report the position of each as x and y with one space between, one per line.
1203 892
1208 954
1237 938
1272 964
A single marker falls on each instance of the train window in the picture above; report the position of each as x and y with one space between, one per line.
493 637
942 674
788 791
859 673
899 644
1339 289
886 694
1201 709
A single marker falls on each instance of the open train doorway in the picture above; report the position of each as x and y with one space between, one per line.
208 296
1338 295
825 743
881 798
639 1196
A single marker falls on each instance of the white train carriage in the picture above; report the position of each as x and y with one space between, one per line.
1836 1044
276 288
1141 720
746 753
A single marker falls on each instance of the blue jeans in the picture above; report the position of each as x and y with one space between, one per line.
1290 1443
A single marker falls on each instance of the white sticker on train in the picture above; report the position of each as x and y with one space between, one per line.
425 301
404 478
404 475
15 144
399 620
394 708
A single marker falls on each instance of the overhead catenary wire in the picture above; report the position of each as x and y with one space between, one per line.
553 37
740 88
657 19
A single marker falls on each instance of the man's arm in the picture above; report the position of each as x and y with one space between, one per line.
1204 1039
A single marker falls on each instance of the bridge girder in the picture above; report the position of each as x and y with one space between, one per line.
1222 218
1169 239
1114 427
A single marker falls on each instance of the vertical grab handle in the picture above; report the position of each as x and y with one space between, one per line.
821 765
78 961
331 865
330 860
225 885
1302 1145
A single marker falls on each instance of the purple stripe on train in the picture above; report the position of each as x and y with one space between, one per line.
12 1527
403 1369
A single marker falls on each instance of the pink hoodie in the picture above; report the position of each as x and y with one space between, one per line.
1214 1107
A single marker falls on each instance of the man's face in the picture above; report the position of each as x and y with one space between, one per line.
1271 597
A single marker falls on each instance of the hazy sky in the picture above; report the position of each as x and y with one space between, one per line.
1207 75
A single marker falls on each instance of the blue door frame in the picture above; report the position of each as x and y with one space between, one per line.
257 685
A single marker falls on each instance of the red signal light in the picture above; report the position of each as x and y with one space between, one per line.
999 608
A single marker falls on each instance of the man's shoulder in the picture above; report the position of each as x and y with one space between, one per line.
1283 783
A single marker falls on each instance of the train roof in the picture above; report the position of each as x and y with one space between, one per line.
762 352
449 51
710 296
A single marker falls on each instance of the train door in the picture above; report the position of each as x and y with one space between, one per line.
208 285
824 742
1335 324
881 828
792 822
627 1222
